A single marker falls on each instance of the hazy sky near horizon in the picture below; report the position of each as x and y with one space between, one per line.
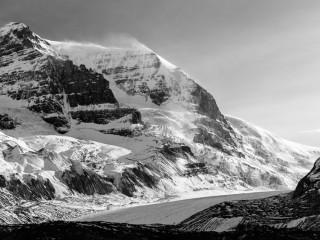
259 58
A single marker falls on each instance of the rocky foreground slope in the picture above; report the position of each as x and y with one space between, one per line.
298 210
85 127
102 230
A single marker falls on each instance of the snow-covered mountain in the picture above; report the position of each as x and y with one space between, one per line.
121 123
135 74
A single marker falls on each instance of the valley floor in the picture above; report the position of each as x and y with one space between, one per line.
171 212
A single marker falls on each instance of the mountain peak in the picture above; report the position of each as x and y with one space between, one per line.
13 27
17 36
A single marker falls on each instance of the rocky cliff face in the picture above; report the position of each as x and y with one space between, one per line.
33 72
310 183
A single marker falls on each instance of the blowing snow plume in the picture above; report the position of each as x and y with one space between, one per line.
108 41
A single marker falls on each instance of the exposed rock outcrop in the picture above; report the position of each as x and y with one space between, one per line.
82 86
310 183
86 182
105 116
6 122
206 105
138 176
206 138
28 189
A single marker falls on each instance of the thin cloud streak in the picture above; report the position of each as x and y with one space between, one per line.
312 131
114 40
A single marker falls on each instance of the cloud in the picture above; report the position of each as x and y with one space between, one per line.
311 131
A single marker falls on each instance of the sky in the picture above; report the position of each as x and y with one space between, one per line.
259 58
